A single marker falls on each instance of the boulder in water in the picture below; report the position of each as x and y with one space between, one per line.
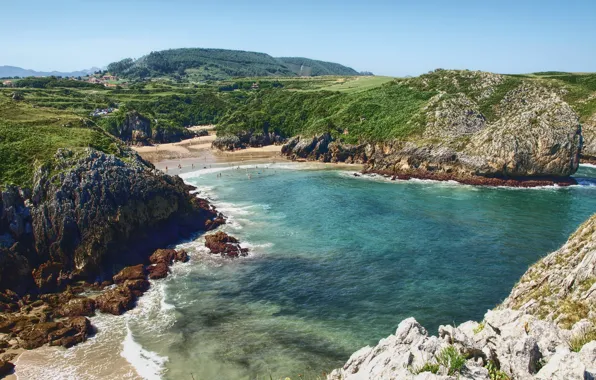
225 245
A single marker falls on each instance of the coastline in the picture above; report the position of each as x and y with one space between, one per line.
476 180
136 349
200 156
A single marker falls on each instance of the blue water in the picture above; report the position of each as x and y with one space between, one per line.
337 261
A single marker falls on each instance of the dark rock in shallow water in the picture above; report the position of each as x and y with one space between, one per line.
162 259
157 271
225 245
115 301
136 272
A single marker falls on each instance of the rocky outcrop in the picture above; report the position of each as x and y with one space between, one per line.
225 245
247 139
68 333
508 344
77 307
162 259
589 133
16 240
137 129
323 148
93 212
533 135
562 286
537 135
545 329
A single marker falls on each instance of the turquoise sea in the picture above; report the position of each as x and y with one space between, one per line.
337 261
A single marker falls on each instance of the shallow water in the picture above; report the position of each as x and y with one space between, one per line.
336 262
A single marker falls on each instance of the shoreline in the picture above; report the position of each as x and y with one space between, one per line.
527 182
217 160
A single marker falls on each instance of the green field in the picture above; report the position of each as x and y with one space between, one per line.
30 136
357 84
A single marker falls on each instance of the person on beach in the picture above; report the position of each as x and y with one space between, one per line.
166 169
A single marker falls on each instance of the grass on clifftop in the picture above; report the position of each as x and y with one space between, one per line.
29 136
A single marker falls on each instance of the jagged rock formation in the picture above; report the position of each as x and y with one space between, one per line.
225 245
246 140
562 286
551 335
323 148
589 133
507 344
531 133
138 130
93 211
88 215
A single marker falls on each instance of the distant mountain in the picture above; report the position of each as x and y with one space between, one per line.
13 71
221 64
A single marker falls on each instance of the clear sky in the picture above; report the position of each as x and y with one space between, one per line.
386 37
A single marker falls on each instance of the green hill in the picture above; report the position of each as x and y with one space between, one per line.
220 64
310 67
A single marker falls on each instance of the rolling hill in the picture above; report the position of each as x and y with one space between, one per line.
221 64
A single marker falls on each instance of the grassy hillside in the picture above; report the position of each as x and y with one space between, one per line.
310 67
353 109
30 135
198 64
385 108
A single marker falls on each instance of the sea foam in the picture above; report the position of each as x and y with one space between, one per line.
148 364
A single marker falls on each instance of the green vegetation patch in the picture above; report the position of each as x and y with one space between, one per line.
30 136
390 111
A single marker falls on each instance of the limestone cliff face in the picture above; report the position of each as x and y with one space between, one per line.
562 286
92 207
533 133
137 129
91 213
589 133
247 139
545 329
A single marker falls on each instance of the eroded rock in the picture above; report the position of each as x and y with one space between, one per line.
225 245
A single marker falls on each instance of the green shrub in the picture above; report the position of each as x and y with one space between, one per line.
494 373
451 359
427 367
577 341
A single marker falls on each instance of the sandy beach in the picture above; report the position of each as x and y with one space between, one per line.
197 152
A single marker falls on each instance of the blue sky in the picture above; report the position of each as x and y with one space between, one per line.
387 37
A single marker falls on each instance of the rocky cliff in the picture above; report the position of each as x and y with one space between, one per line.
529 133
137 129
88 215
545 329
247 139
589 132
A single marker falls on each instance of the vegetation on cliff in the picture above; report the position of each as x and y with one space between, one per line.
29 137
